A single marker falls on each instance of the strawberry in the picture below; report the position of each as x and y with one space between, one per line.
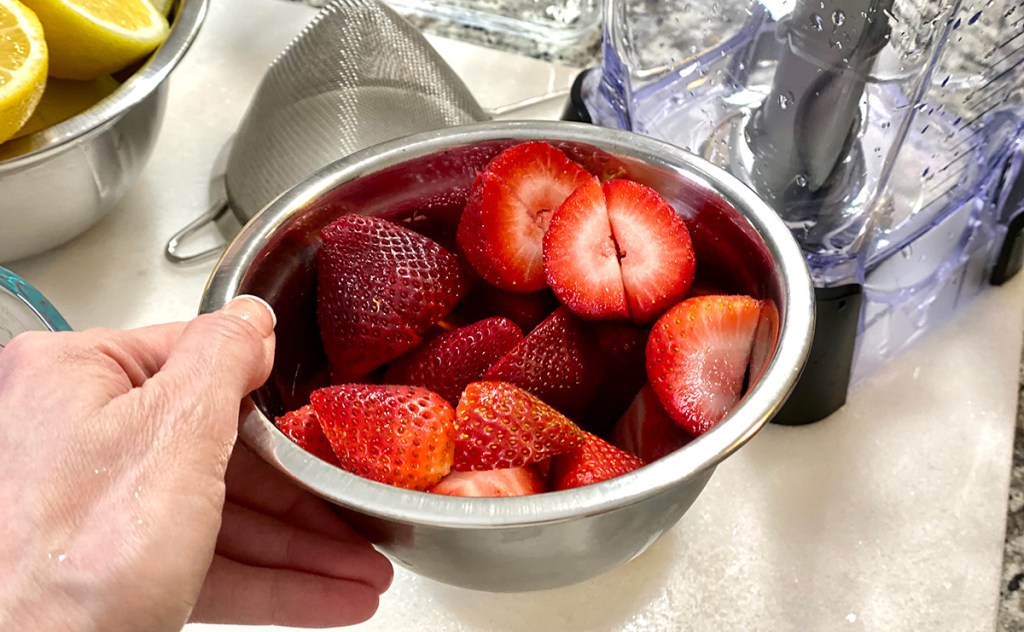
399 435
502 228
622 345
595 461
558 362
618 251
525 310
510 481
498 425
303 427
697 356
380 287
452 360
647 431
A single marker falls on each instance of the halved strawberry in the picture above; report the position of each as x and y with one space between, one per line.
399 435
647 431
697 356
510 481
450 361
502 228
593 462
380 287
498 425
302 427
558 362
581 258
618 250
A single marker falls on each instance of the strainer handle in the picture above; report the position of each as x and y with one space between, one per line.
212 214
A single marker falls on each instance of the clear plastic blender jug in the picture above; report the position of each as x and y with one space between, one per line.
883 132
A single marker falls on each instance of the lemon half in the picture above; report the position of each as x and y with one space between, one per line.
89 38
23 58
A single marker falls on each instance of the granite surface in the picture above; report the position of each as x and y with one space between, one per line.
1011 607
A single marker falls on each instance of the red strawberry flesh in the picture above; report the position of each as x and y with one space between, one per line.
593 462
303 427
502 228
498 425
380 287
697 356
559 362
399 435
582 258
512 481
618 251
646 429
450 361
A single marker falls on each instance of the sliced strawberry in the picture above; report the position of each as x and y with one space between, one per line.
302 427
399 435
697 356
502 228
380 287
618 251
593 462
498 425
623 346
765 339
581 258
654 248
525 310
452 360
558 362
647 431
510 481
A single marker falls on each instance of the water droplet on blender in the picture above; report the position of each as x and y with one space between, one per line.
907 252
886 125
838 17
816 22
785 100
974 18
924 174
839 45
800 180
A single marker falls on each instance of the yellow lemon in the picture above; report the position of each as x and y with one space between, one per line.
65 98
22 66
89 38
163 6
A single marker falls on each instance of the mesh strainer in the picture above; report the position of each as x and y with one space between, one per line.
357 75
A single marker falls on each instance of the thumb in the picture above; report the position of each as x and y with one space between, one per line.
219 358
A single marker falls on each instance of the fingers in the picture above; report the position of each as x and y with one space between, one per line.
238 593
253 483
252 538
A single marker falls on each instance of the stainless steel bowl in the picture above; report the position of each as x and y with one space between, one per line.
543 541
68 176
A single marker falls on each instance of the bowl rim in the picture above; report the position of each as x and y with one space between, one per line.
419 508
188 19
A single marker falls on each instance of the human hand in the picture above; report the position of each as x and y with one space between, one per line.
114 513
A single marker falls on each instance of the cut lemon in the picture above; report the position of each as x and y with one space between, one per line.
22 66
89 38
163 6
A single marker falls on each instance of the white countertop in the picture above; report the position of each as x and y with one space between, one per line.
889 515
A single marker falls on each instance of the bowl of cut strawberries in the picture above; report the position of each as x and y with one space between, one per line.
512 354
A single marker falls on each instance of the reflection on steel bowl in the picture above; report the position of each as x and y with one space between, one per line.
545 540
58 182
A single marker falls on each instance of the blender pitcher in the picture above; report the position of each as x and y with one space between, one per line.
883 132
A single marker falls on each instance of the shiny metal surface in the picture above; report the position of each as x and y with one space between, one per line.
64 178
511 544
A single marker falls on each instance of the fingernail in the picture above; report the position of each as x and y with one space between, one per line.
254 310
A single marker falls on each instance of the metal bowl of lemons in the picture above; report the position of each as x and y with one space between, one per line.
83 85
